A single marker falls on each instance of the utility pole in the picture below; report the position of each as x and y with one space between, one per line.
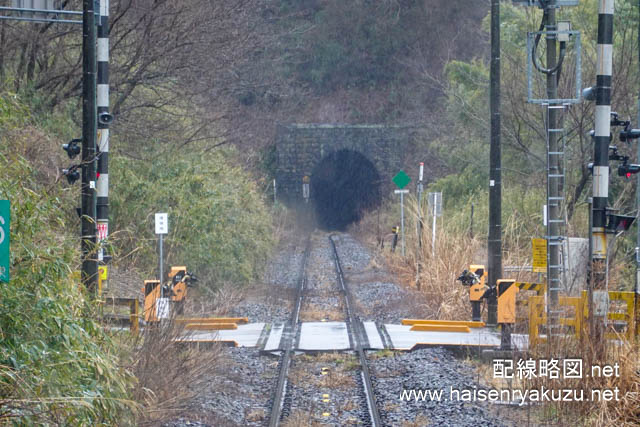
555 174
638 186
89 122
601 163
104 119
495 180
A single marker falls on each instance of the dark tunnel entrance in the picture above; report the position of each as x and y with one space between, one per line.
344 185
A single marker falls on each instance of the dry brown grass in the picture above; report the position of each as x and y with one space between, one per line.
445 298
418 421
434 274
624 411
255 415
169 375
300 418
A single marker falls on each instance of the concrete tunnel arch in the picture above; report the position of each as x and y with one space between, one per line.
344 185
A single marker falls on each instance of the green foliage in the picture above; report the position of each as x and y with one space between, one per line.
57 365
218 224
13 113
353 44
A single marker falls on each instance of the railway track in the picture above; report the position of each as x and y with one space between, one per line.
283 397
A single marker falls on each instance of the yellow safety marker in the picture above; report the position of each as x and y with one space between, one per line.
440 328
231 343
325 414
324 371
210 326
506 300
468 323
325 398
237 320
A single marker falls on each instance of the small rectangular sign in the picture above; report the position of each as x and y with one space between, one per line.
103 272
162 223
162 308
401 191
539 250
5 219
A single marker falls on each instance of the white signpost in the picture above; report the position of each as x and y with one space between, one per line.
402 193
162 228
435 207
401 180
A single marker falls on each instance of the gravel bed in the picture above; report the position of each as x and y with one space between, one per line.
258 311
241 392
239 396
321 273
375 296
283 270
325 388
272 300
435 369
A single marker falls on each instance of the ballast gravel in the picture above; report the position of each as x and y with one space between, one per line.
398 376
241 394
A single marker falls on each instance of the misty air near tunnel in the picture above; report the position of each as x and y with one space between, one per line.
319 212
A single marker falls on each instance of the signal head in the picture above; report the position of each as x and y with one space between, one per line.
72 148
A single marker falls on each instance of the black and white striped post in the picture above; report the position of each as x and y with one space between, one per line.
601 149
104 119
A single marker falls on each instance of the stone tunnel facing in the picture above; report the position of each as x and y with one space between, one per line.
344 185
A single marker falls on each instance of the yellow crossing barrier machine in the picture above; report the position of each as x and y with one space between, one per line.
159 299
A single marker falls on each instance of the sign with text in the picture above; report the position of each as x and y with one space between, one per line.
162 223
539 249
5 217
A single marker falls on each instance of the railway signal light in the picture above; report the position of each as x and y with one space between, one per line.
618 223
72 173
627 170
72 148
627 135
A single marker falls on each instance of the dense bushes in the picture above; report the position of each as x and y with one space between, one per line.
57 366
218 224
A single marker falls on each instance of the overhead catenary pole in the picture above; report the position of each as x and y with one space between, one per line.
601 151
495 181
89 121
104 118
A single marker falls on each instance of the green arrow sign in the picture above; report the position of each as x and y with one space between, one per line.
5 216
401 179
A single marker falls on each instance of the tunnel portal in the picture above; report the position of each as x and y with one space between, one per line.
344 185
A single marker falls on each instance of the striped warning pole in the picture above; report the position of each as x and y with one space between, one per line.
601 141
102 214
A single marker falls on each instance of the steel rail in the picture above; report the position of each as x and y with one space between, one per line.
356 331
288 335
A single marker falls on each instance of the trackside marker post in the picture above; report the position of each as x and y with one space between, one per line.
402 193
401 180
162 228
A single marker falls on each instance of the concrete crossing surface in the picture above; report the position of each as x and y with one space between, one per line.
334 336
